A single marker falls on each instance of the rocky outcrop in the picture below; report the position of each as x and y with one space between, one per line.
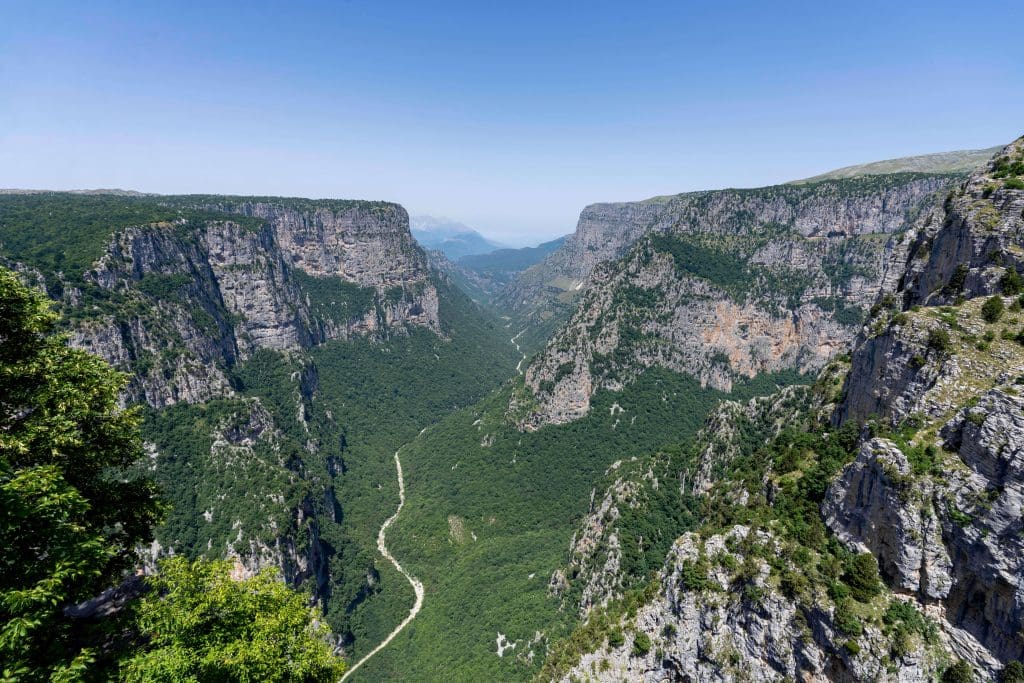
835 207
871 509
964 254
728 285
368 243
190 299
737 626
951 536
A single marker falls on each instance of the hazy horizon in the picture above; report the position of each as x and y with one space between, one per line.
508 119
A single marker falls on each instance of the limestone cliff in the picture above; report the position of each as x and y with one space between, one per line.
870 530
726 285
191 298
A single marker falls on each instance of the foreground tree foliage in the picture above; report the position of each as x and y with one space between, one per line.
71 515
204 625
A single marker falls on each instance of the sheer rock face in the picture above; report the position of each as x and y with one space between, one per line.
725 633
369 244
225 289
799 265
606 231
962 254
871 509
952 539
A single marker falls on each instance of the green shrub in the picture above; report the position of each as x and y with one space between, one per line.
694 575
1012 673
993 308
846 621
961 672
838 591
641 644
616 638
862 577
1014 184
938 339
1011 282
956 281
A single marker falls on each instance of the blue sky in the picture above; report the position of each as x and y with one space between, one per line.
508 116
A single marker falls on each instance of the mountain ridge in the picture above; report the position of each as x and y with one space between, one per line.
863 528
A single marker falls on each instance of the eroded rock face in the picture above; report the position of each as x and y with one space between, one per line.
952 538
961 253
746 632
987 596
872 509
798 270
950 533
606 231
368 243
937 503
199 298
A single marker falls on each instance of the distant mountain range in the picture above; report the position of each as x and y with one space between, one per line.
451 237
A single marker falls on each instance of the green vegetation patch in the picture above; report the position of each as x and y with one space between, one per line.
66 232
520 496
334 298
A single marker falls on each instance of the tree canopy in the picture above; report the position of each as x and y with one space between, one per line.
71 512
73 508
204 625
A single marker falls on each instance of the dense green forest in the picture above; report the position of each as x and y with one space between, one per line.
490 512
360 401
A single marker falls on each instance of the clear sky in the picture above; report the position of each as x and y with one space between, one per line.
508 116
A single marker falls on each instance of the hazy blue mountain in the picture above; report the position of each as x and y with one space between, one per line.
451 237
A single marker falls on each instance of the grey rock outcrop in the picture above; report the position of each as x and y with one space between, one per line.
872 509
799 267
953 538
935 491
960 256
835 207
739 629
192 299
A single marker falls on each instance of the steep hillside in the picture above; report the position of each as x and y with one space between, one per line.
283 348
503 263
546 295
486 277
485 526
865 528
730 284
489 513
